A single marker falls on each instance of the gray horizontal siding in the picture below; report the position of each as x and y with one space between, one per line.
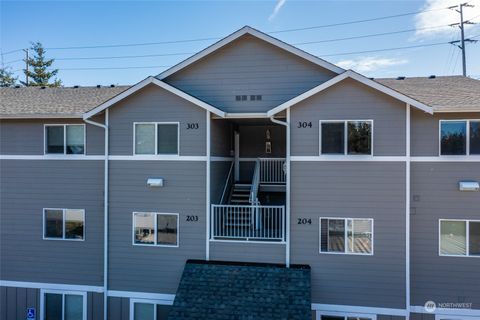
425 131
154 104
15 301
435 196
26 137
350 100
249 66
154 269
248 252
351 190
29 186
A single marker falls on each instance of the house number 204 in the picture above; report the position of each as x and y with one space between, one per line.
304 221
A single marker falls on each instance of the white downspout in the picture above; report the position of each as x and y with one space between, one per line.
287 202
407 214
105 214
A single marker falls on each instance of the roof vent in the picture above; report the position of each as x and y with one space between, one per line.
432 76
43 87
17 86
401 78
76 87
112 85
98 86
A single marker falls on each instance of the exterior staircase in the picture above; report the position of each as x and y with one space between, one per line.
240 194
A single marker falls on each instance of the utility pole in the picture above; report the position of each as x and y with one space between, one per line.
26 66
462 40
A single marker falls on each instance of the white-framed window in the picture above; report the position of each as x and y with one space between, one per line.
64 139
346 137
333 315
151 138
63 305
459 137
155 229
459 238
63 224
346 236
149 309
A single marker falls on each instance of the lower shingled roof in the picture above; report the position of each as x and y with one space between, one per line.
223 290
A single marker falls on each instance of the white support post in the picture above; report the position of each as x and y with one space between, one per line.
237 156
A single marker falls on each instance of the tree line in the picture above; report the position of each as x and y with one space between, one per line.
39 72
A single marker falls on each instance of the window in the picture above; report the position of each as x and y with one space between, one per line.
141 309
344 235
156 229
459 238
64 224
156 138
459 137
324 315
65 139
346 137
58 305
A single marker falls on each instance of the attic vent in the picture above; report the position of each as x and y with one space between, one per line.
257 97
401 78
432 76
238 98
244 98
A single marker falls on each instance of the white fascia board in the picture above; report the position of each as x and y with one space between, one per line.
237 34
252 115
358 77
144 83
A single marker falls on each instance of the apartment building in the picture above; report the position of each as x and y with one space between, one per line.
251 181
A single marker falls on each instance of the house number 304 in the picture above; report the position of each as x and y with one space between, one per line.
304 124
304 221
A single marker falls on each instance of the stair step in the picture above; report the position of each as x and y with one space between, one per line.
240 195
239 201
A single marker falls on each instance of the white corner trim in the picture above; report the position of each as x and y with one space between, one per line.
144 83
358 77
447 312
358 309
50 286
262 36
141 295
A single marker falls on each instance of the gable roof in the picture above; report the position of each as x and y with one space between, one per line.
358 77
444 94
37 102
224 290
161 84
258 34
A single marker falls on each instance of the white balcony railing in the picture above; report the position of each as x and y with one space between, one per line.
248 223
272 170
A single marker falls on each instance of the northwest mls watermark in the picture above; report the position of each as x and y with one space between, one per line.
432 306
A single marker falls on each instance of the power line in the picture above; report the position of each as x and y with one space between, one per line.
217 38
127 57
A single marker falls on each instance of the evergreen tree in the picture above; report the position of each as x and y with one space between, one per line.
6 78
38 68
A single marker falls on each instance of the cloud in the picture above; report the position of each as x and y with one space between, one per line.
368 64
437 17
278 6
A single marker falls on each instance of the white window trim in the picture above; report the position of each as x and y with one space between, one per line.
63 293
345 138
467 255
449 317
345 235
64 221
156 214
319 315
156 139
64 125
467 134
149 301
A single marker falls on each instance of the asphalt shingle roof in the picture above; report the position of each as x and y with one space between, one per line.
448 93
35 102
444 94
236 291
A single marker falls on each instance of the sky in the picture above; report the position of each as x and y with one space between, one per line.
65 24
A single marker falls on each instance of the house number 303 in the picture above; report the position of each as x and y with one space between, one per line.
304 221
191 126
